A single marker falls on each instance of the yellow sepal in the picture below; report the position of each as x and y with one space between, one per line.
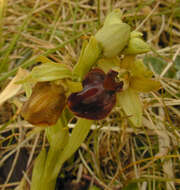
143 84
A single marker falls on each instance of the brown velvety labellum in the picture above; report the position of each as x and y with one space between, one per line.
98 96
45 105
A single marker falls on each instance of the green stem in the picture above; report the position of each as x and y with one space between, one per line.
62 147
57 137
38 170
48 185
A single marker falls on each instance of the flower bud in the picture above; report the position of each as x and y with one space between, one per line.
45 105
113 17
136 45
114 35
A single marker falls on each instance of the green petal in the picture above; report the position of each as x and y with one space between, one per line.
136 45
128 62
135 34
106 64
140 70
143 84
135 67
130 102
89 55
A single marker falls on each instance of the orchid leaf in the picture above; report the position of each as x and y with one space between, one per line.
58 137
80 62
78 135
157 63
131 104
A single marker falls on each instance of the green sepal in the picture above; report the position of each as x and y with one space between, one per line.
28 89
138 69
48 72
130 102
113 17
114 34
143 84
89 55
113 38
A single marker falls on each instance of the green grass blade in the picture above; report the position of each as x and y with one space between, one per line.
33 59
3 64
